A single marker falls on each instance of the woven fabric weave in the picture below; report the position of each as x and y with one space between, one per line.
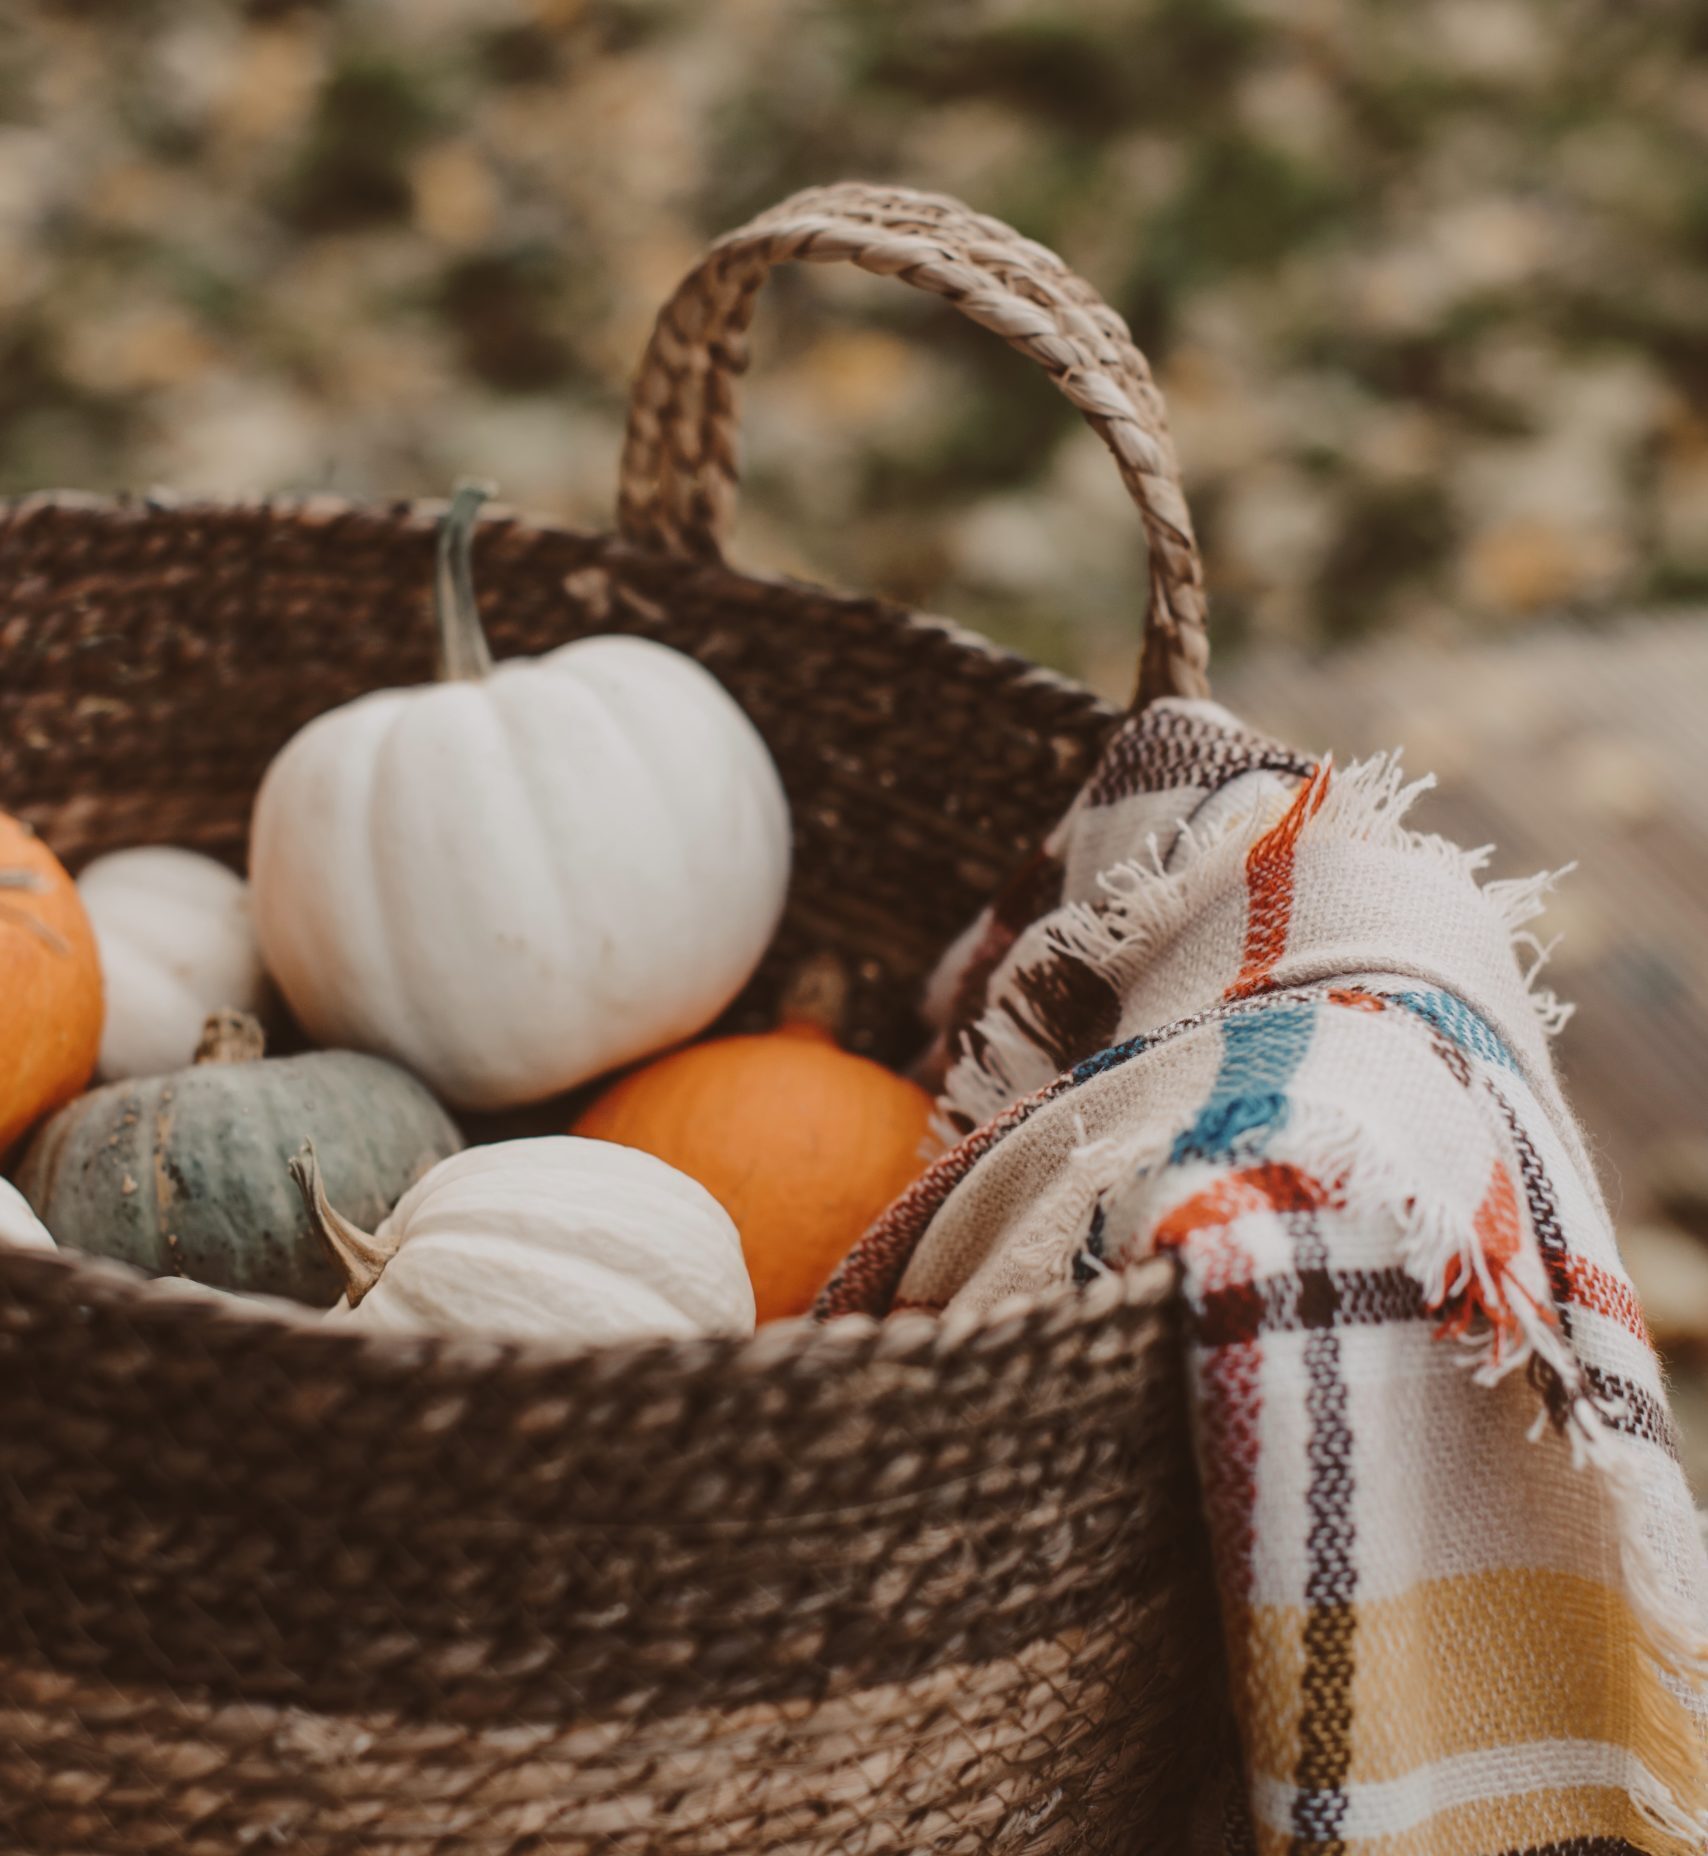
1237 1010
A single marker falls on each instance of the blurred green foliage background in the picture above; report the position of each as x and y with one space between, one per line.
1426 281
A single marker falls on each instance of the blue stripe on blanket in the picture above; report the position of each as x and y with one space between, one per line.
1263 1045
1456 1022
1109 1059
1248 1100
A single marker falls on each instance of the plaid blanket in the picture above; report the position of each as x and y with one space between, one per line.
1238 1010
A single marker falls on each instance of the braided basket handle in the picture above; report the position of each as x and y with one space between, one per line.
679 465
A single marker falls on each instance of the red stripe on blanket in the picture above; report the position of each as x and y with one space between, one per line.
1230 1414
1269 888
1232 1397
1275 1186
1592 1287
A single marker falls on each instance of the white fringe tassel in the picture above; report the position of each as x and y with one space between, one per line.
1142 906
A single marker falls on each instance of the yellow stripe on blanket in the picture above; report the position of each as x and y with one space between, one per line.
1447 1676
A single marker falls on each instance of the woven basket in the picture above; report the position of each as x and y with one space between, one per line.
924 1586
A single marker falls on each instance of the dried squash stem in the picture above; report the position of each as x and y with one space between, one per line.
358 1253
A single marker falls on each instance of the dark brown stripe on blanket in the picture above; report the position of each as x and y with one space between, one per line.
1643 1414
1544 1211
1307 1299
1624 1406
1321 1299
1579 1846
1165 748
1028 896
1065 1007
1325 1718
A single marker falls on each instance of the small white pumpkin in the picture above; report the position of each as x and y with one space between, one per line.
524 875
576 1242
176 945
18 1223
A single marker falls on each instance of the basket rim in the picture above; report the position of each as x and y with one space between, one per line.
910 1337
502 520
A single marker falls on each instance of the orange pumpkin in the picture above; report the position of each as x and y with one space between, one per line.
50 983
803 1144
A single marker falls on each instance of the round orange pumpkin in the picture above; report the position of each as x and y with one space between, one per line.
50 983
803 1144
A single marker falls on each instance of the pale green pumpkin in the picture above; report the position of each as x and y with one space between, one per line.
187 1174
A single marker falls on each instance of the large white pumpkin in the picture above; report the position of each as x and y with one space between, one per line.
18 1223
524 875
580 1243
176 945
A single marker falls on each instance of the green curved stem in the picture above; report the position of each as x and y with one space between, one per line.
463 651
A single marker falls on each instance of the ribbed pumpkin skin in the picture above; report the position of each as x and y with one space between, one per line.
176 943
186 1174
50 985
802 1144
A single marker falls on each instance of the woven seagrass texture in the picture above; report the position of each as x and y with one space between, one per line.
679 462
878 1588
924 1587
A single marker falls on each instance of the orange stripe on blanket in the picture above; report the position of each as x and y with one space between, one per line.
1594 1288
1269 888
1275 1186
1496 1221
1484 1285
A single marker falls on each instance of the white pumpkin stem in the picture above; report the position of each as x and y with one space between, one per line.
464 655
231 1036
358 1253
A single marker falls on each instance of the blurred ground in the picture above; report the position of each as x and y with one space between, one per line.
1427 283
